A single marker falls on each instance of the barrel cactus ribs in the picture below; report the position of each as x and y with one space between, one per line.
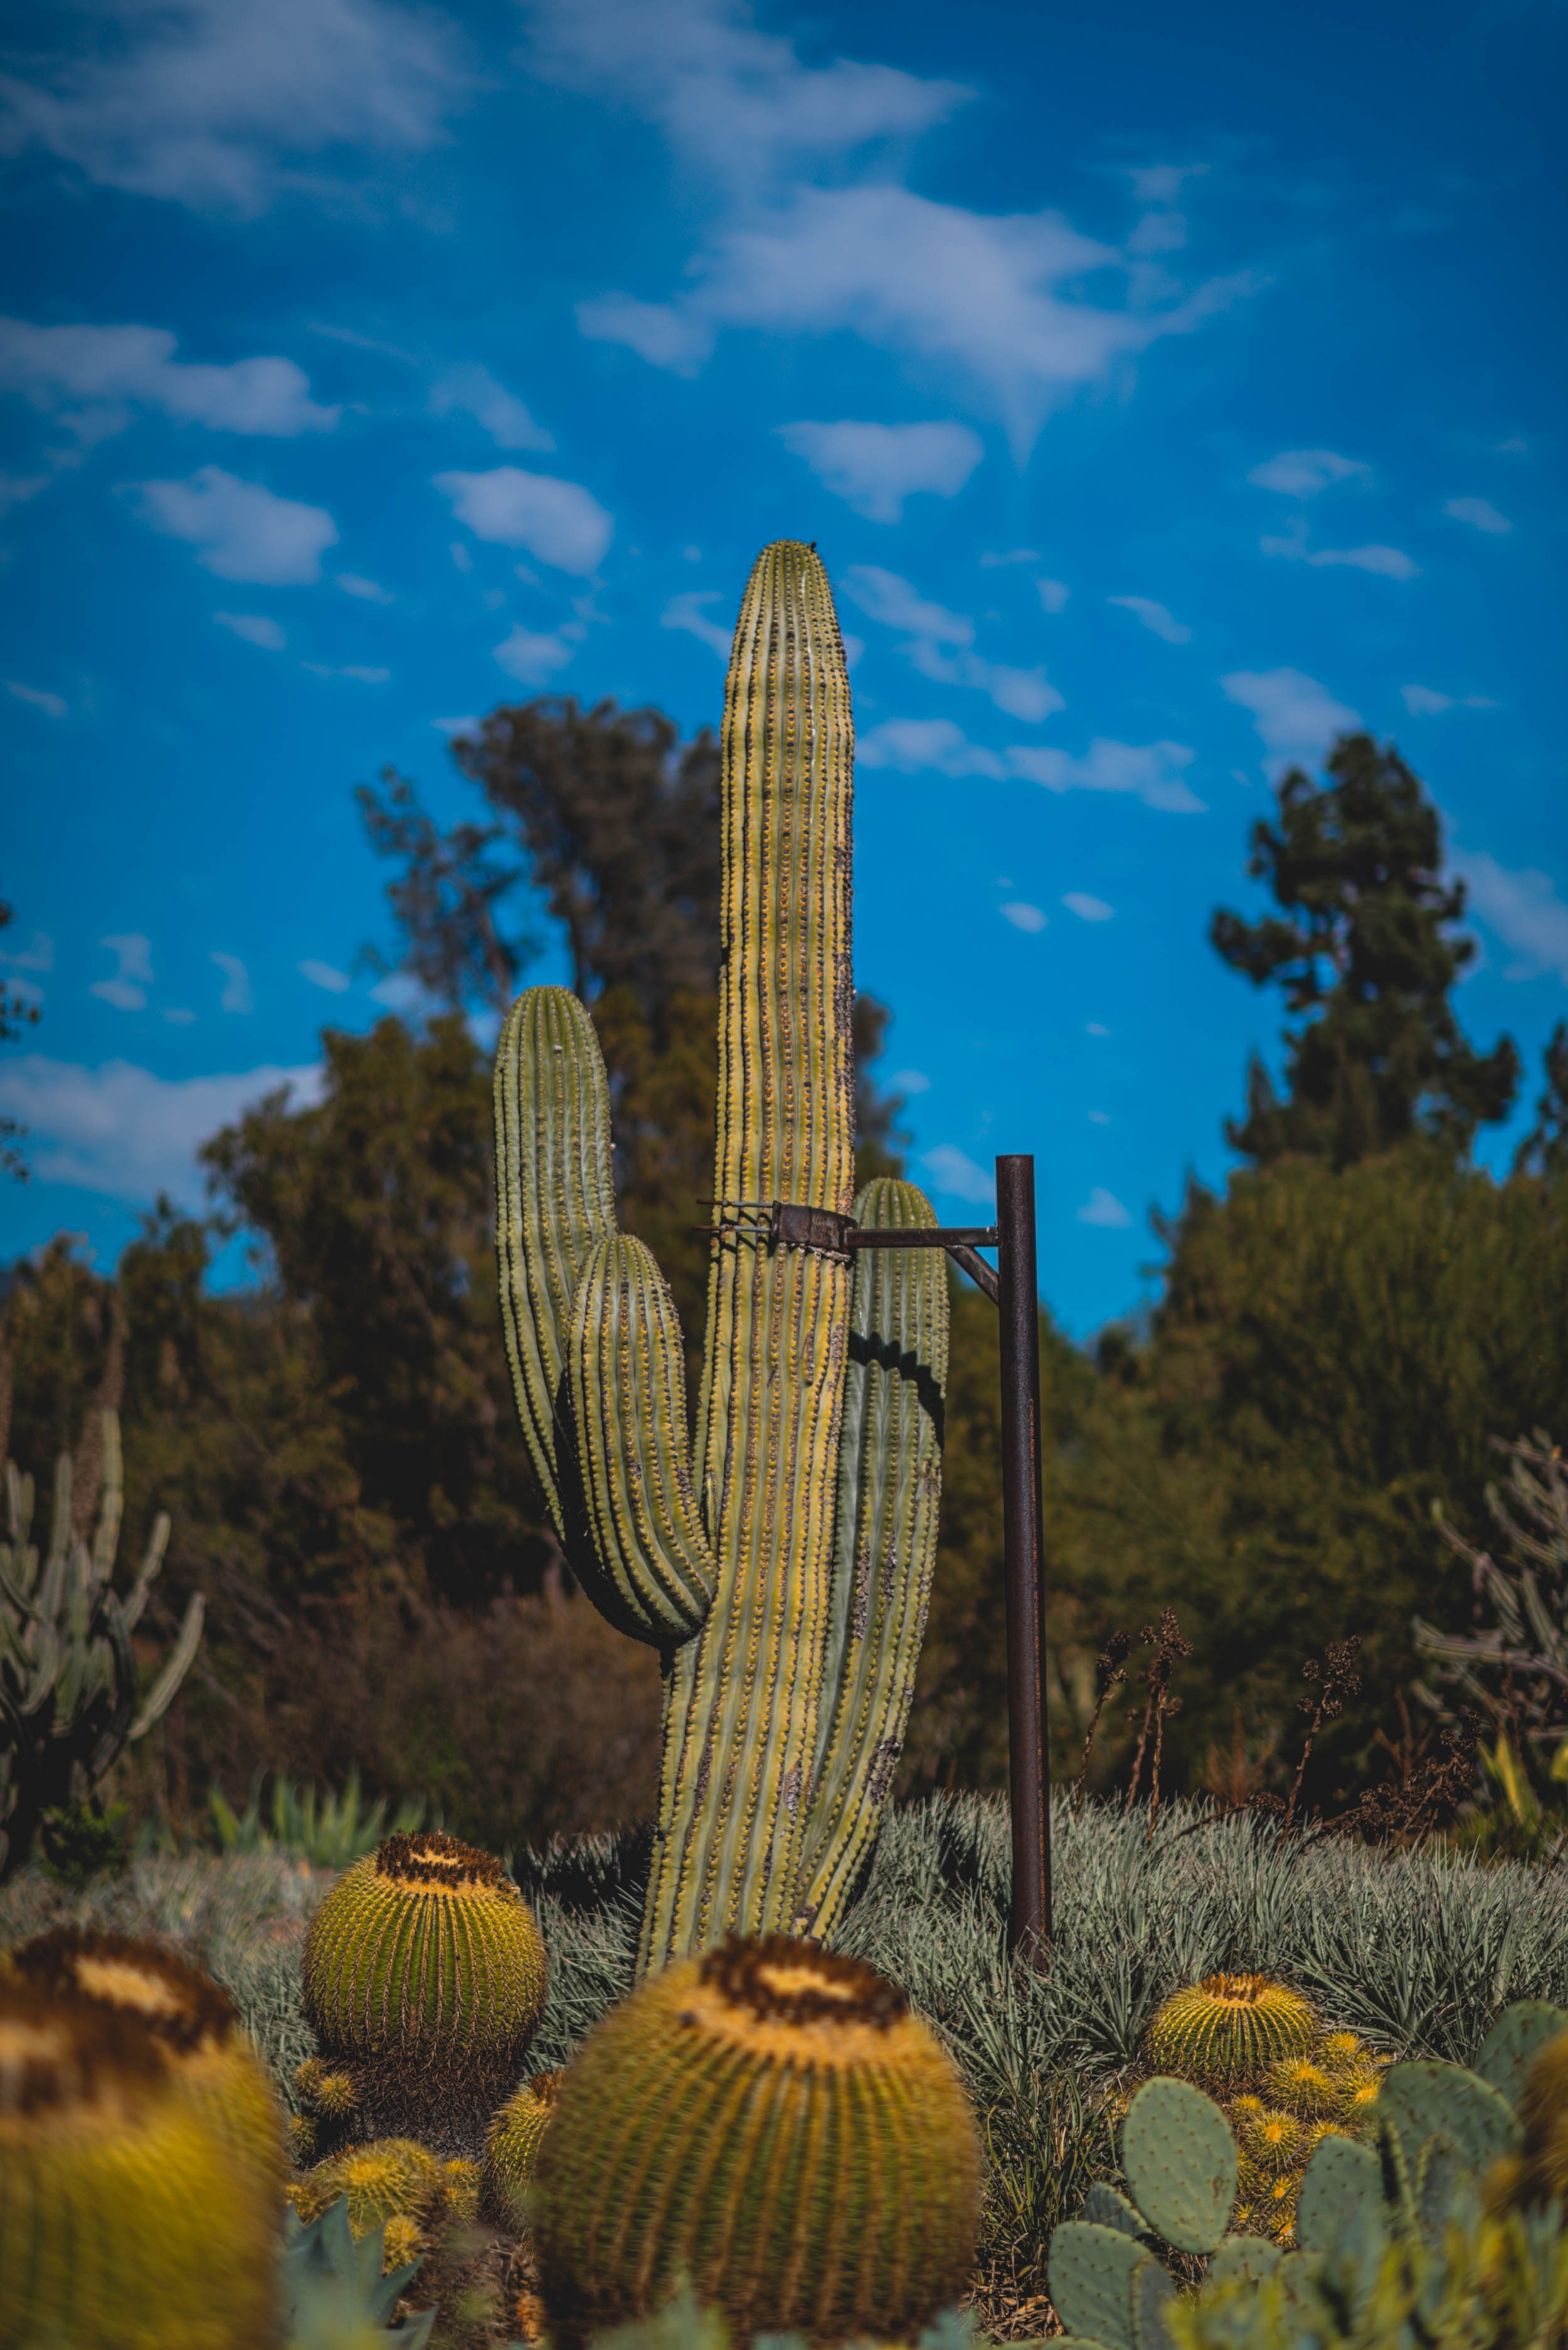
781 1565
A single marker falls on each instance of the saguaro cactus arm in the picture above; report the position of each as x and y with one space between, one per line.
889 1487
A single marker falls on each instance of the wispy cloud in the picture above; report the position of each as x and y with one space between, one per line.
37 697
1525 910
238 994
1103 1207
254 628
324 975
1149 771
560 522
1053 594
1154 618
960 1176
534 657
475 391
1296 718
1480 515
1424 702
1025 917
96 377
1303 472
217 106
127 989
1087 909
368 591
1385 562
687 612
121 1131
241 530
938 644
874 467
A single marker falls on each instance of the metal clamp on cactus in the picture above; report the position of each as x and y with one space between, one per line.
781 1566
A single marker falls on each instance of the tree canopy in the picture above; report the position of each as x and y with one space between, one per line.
1365 956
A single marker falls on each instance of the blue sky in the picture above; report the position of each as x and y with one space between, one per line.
1165 391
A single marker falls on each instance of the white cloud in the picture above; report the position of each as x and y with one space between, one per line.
874 467
121 1131
996 300
460 557
989 562
1087 909
254 628
1099 1116
530 658
98 374
1525 911
325 974
1385 562
1053 594
1151 772
358 671
1025 693
368 591
956 1173
883 595
560 522
1023 917
1154 617
36 698
178 1017
686 612
665 338
909 1081
1424 702
242 531
238 994
911 744
38 954
1481 513
1295 717
15 489
451 726
1096 1028
201 101
127 991
733 100
1103 1207
1303 472
475 391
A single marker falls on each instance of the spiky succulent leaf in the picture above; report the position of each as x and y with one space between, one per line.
333 2292
1515 2040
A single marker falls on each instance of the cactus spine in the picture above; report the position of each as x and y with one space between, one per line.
769 2121
1226 2031
781 1568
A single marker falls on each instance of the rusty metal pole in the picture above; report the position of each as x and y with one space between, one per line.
1028 1929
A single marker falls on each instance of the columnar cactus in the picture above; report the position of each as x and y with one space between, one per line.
781 1567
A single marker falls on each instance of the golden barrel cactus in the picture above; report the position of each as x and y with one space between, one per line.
512 2149
769 2121
424 1979
189 2018
127 2220
1224 2033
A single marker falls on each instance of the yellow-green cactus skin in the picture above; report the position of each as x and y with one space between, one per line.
391 2177
423 1978
781 1565
189 2017
1224 2033
512 2150
769 2121
1544 2112
127 2221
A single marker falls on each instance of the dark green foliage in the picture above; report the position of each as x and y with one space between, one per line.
1544 1150
18 1010
1362 952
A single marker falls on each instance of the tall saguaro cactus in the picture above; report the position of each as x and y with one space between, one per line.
783 1569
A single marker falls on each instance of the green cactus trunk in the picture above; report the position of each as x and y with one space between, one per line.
782 1573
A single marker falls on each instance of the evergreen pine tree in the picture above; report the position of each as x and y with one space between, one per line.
1366 960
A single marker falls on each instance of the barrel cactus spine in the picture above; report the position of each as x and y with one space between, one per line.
188 2018
781 1565
769 2121
1226 2031
512 2149
423 1978
127 2219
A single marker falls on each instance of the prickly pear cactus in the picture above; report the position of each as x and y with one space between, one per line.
781 1565
772 2122
126 2221
187 2016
